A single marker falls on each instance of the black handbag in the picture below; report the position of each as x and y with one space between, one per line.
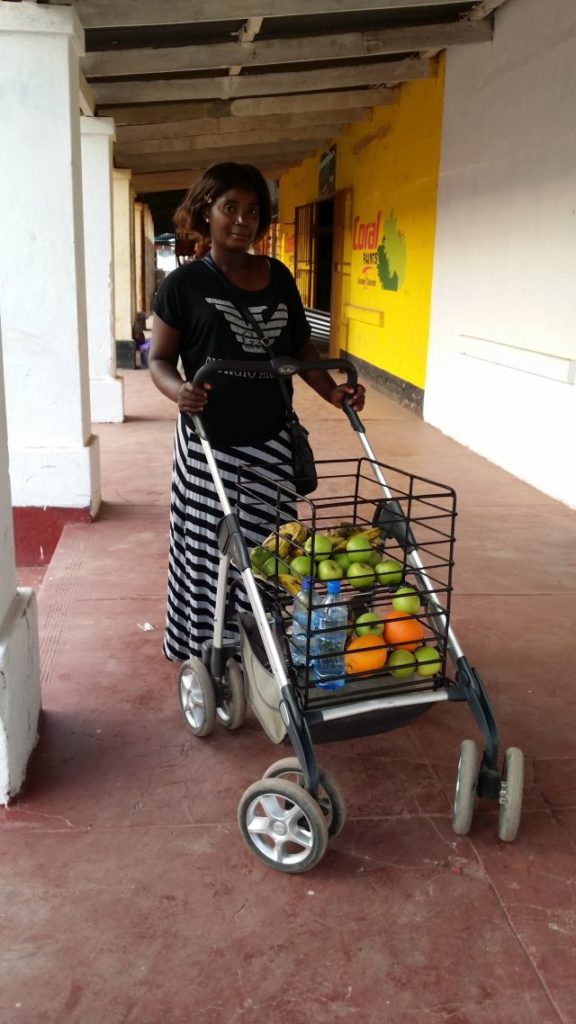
303 465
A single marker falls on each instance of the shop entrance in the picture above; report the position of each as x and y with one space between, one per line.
319 267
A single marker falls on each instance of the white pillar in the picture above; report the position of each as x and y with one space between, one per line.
53 456
139 257
19 666
124 299
106 389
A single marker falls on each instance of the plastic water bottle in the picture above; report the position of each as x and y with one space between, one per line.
305 598
331 619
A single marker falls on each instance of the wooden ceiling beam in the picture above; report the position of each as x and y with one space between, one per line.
483 10
155 113
170 181
227 126
140 13
111 63
222 87
191 143
204 157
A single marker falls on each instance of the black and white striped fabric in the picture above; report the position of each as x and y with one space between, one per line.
195 512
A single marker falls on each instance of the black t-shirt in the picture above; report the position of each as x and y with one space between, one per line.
242 407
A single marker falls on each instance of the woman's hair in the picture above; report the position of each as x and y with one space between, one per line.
190 215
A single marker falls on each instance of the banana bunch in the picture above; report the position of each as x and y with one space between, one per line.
289 583
341 535
287 543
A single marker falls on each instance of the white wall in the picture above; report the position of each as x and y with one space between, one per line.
502 353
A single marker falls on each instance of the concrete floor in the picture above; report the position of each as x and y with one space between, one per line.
128 895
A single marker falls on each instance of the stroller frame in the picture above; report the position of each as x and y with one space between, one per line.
313 789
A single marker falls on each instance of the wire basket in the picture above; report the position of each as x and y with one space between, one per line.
410 522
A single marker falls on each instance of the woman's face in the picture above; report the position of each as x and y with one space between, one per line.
234 218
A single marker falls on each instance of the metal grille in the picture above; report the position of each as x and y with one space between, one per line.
305 253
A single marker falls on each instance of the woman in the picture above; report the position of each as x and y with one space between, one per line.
196 320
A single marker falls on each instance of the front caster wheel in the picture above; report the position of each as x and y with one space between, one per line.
466 782
511 790
329 797
232 711
197 699
283 825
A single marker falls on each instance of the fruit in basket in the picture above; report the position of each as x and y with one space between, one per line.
358 547
402 631
302 565
274 566
359 574
322 545
369 622
289 583
365 654
287 543
428 661
389 572
406 600
401 663
258 555
343 560
328 569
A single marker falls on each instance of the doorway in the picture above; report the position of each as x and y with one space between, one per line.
318 264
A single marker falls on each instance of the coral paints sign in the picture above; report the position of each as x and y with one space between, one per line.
383 249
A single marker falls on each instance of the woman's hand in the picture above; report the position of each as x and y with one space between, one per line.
356 396
192 399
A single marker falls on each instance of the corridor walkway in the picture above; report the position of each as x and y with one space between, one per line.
128 896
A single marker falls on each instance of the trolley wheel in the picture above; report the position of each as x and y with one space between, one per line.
232 712
283 825
466 782
197 699
329 797
511 790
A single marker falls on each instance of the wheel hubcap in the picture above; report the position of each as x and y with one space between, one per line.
279 828
192 699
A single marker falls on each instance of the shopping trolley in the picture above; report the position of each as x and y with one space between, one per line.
289 815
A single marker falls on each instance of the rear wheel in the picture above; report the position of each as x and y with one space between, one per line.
466 782
329 797
511 792
232 711
197 700
282 825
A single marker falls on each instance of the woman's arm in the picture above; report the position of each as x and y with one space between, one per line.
326 386
163 363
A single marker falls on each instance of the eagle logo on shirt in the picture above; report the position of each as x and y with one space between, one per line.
244 333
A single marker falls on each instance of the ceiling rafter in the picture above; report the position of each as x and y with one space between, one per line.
227 126
154 113
140 13
284 51
222 87
191 143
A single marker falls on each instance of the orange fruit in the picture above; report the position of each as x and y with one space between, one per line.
365 654
400 631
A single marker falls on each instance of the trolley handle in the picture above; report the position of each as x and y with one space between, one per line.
279 366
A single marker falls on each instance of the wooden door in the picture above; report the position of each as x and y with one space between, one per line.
305 253
340 271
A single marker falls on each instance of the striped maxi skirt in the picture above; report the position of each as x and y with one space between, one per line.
194 514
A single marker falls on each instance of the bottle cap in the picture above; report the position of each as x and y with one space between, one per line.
306 582
333 586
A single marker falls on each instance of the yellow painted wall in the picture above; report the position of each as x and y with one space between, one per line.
390 161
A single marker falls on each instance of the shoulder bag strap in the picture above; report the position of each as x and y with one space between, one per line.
250 319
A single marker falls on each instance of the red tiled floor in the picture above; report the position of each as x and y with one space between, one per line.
130 896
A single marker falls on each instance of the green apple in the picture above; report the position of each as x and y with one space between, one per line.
389 572
274 567
328 569
343 560
401 663
358 547
372 558
322 546
428 661
369 622
302 565
406 600
359 574
258 556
